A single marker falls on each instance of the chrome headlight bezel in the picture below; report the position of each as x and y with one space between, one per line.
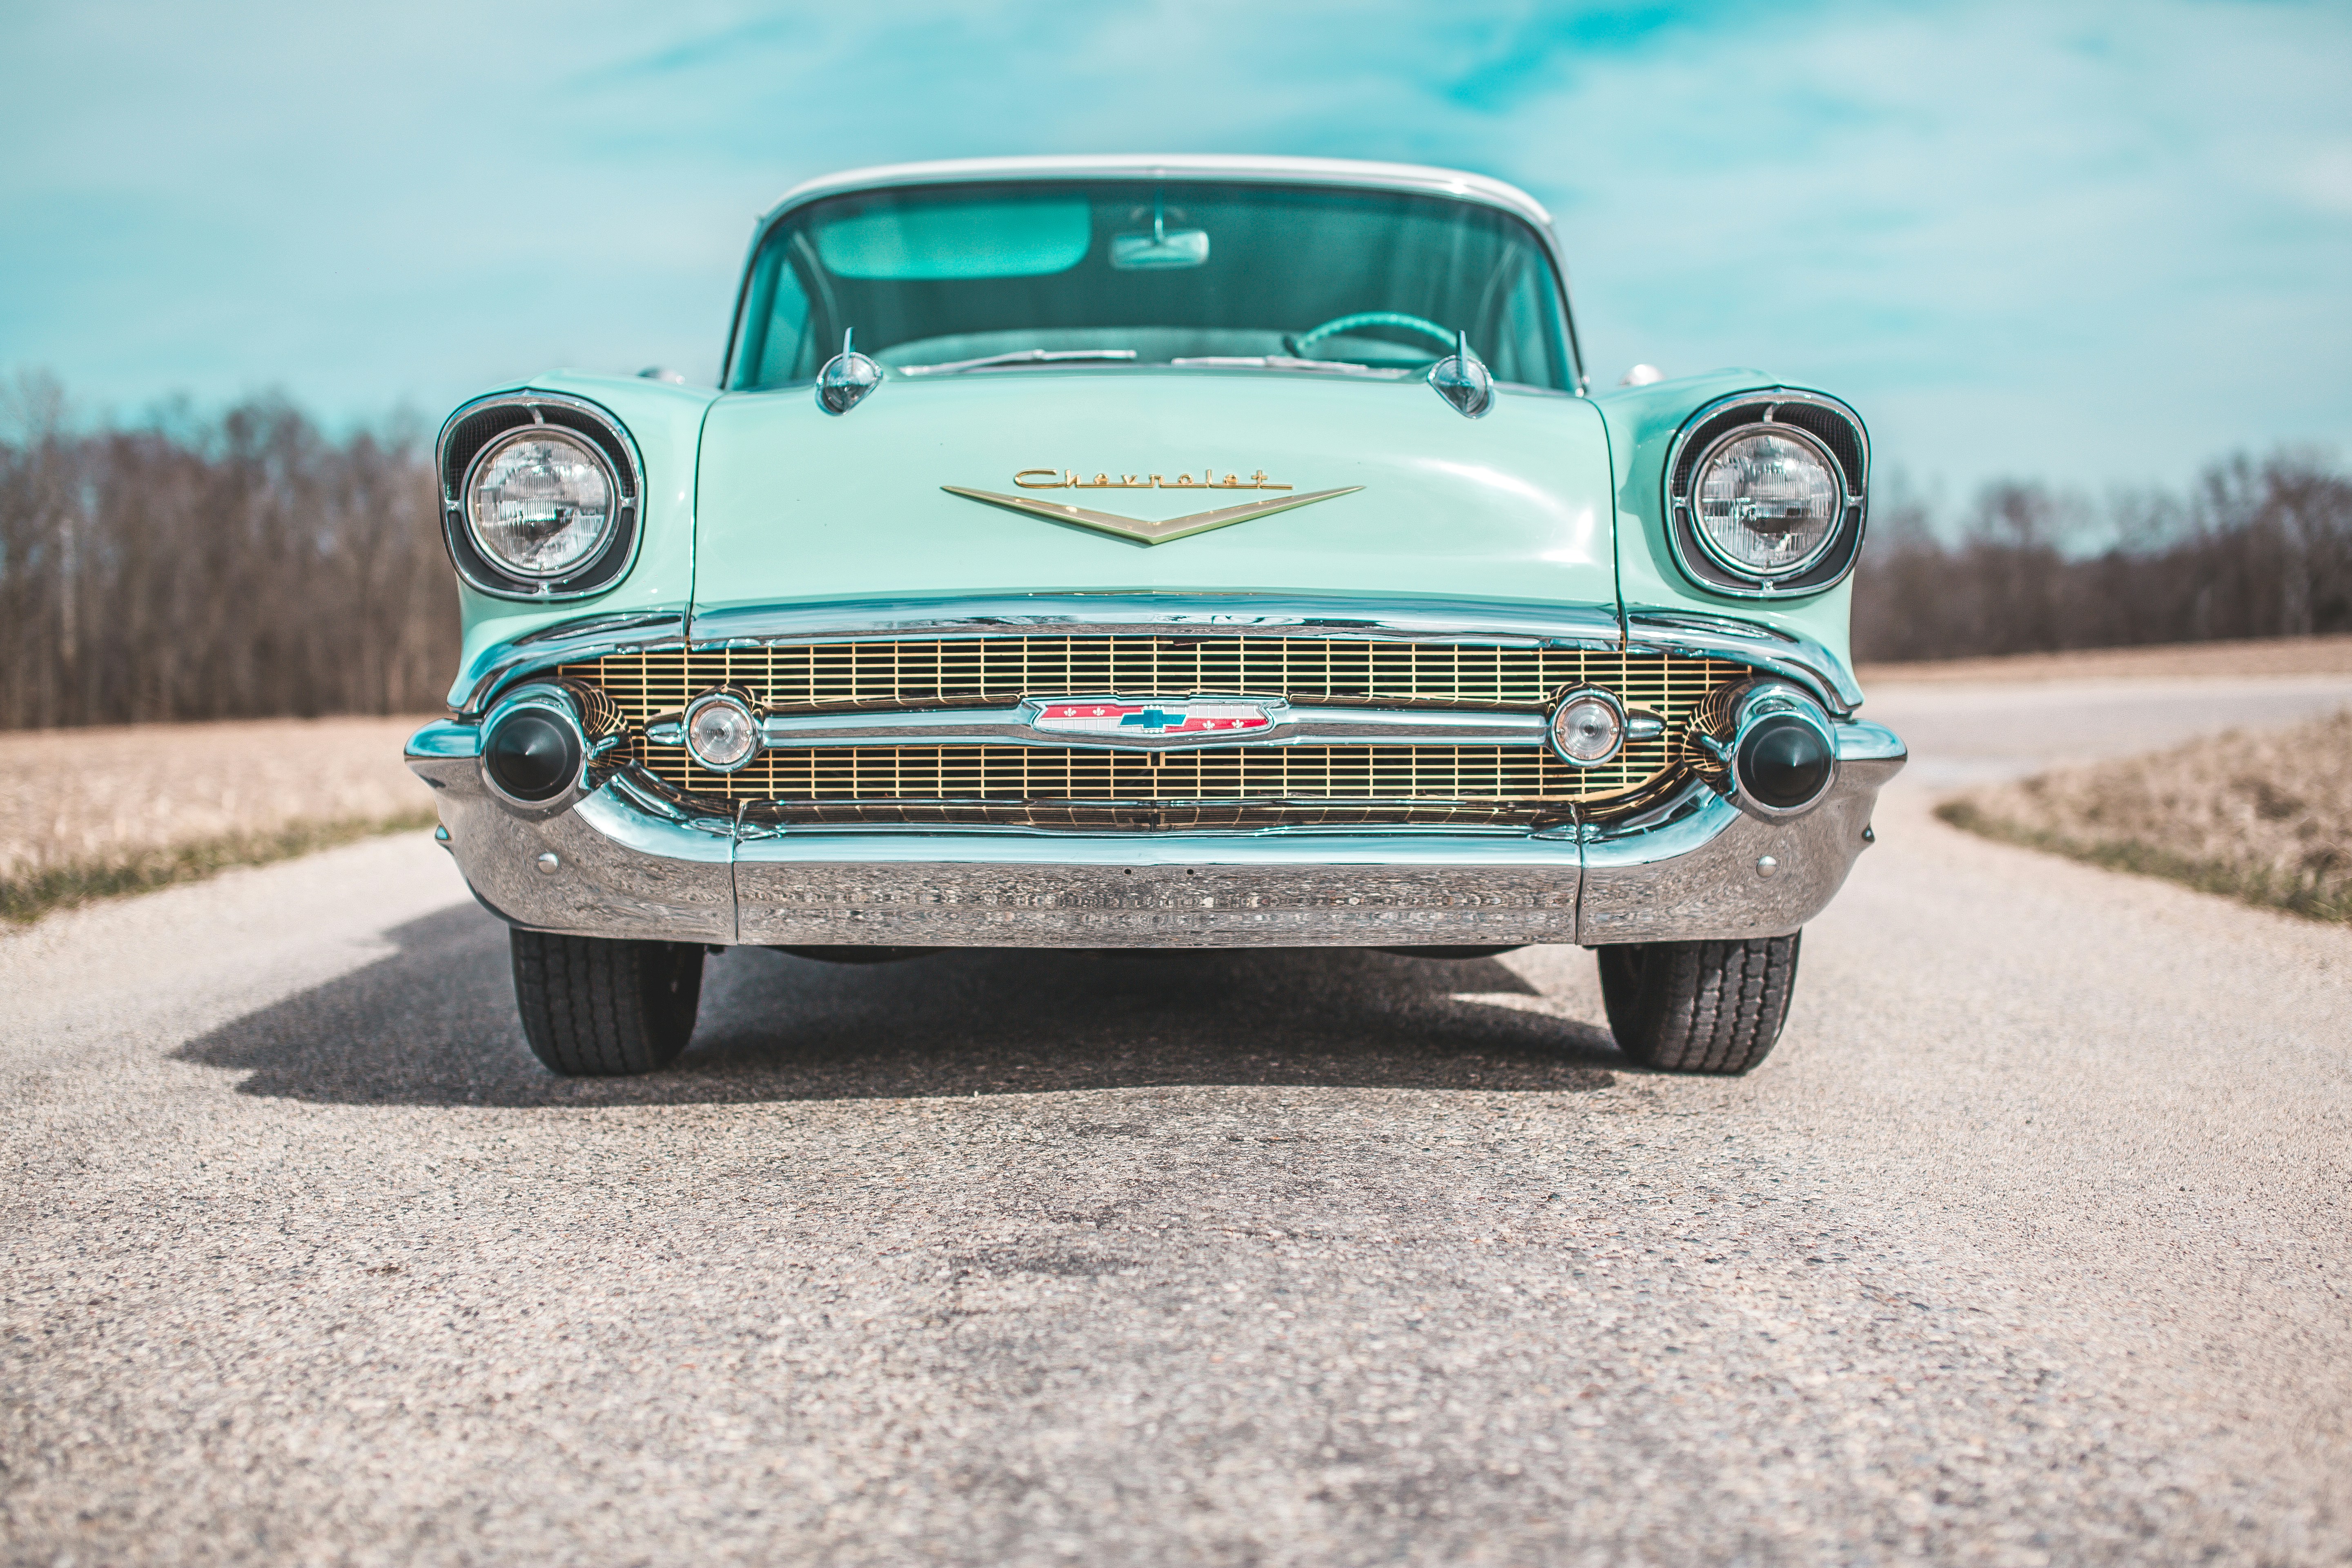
476 431
1824 427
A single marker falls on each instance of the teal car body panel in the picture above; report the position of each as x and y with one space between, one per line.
767 521
796 504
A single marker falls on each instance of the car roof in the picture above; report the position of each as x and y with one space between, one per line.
1177 166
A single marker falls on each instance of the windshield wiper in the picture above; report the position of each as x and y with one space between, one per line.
1018 356
1286 362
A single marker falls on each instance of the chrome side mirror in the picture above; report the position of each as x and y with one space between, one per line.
1463 380
847 379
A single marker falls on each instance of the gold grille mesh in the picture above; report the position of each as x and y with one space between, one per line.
1079 784
933 672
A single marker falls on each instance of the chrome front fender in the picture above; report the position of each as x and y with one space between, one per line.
1704 871
618 863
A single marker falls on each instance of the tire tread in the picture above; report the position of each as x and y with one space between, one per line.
1699 1006
597 1007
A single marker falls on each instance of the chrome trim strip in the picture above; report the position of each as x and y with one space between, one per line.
1769 649
567 642
1592 628
1291 726
1237 168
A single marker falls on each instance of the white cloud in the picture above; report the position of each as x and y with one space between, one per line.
2094 242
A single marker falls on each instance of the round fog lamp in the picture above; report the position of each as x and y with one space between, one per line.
533 755
1587 728
1785 763
720 733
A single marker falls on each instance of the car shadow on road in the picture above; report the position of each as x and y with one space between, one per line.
433 1024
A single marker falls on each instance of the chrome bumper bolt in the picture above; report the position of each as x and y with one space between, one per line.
1767 865
548 863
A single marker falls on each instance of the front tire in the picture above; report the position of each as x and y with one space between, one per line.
593 1006
1699 1006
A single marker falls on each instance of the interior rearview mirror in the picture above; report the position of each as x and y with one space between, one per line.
1160 247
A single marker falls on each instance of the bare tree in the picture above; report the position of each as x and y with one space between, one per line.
2254 549
233 567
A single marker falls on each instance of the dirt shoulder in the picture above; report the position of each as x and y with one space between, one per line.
2263 817
2169 661
86 813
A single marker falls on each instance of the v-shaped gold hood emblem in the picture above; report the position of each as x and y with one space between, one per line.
1138 529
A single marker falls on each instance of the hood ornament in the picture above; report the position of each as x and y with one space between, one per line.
1463 380
847 379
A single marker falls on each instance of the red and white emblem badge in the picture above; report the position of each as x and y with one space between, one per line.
1116 721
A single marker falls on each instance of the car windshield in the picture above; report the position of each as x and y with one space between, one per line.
947 280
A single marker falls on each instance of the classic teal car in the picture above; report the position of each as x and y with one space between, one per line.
1188 552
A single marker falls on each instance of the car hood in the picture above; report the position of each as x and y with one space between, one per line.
794 505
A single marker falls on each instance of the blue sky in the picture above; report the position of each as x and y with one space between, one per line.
2096 244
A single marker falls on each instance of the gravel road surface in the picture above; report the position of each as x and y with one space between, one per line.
2028 1244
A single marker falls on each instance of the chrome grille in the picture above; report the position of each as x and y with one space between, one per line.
949 671
1089 787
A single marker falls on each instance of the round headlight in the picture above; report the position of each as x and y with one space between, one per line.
1587 728
541 502
1766 503
720 732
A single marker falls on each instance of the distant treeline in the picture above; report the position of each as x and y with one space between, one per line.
232 566
248 565
2252 550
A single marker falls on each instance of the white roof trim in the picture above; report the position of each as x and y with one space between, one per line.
1177 166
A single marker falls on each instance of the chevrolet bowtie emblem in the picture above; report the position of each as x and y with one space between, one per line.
1142 529
1108 716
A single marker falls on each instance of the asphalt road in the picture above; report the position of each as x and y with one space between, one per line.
2028 1244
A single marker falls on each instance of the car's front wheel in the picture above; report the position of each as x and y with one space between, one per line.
597 1006
1699 1006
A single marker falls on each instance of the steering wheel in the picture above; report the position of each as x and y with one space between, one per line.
1313 336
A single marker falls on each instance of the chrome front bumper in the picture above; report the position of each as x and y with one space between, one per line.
624 863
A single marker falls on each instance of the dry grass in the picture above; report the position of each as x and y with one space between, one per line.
2172 661
2266 817
86 813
